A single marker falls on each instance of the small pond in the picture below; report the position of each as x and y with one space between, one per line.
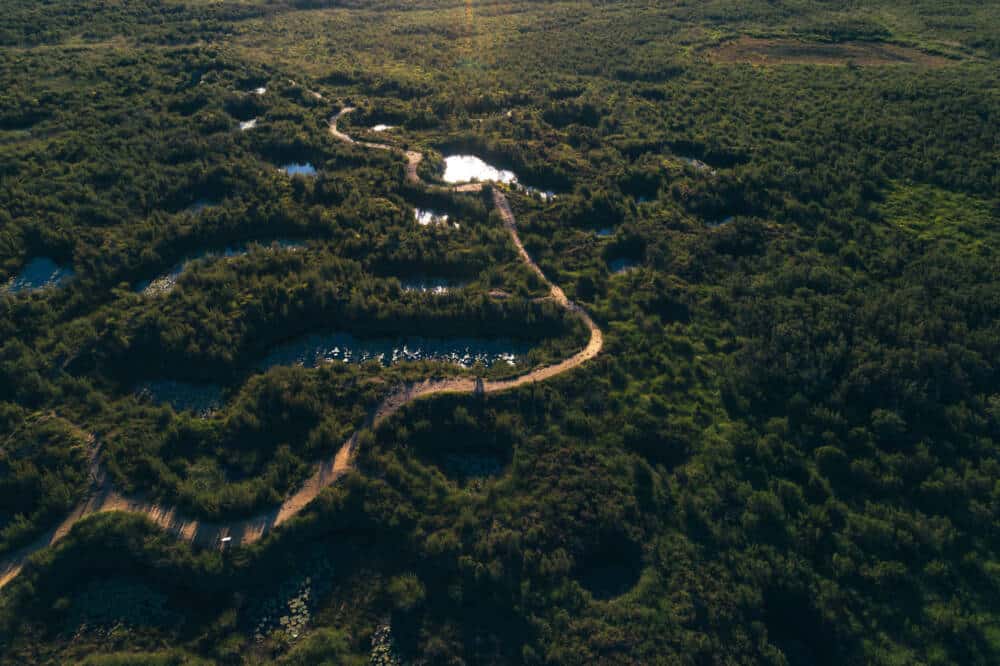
166 282
544 195
200 206
382 128
426 217
436 286
203 399
468 466
38 273
314 350
259 91
297 169
696 163
467 168
605 232
622 264
248 124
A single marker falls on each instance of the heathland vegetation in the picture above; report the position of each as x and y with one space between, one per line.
782 216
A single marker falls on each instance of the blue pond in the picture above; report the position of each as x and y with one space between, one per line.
38 274
305 169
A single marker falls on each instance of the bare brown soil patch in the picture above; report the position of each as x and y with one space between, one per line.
757 51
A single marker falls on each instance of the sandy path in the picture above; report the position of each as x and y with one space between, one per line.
102 497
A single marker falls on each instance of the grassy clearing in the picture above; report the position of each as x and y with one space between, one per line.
933 213
758 51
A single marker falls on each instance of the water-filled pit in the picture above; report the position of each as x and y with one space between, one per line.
622 265
425 285
426 217
314 350
39 273
468 168
203 399
299 169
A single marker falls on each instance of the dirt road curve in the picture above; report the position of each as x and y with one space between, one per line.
102 496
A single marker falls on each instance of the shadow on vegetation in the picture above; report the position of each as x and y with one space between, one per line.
611 568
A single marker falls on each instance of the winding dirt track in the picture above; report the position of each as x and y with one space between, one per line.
103 497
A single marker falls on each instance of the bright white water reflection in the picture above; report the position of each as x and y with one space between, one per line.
426 217
436 286
248 124
315 350
38 273
382 128
466 168
544 195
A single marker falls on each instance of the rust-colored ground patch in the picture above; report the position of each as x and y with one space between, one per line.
758 51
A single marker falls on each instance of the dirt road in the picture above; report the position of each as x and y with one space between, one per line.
102 497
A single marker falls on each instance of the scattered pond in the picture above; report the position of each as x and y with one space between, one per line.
436 286
467 466
544 195
382 128
467 168
296 169
604 232
166 282
248 124
314 350
427 217
199 206
259 91
622 264
203 399
696 163
39 273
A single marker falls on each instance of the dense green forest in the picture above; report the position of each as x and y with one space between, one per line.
783 216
